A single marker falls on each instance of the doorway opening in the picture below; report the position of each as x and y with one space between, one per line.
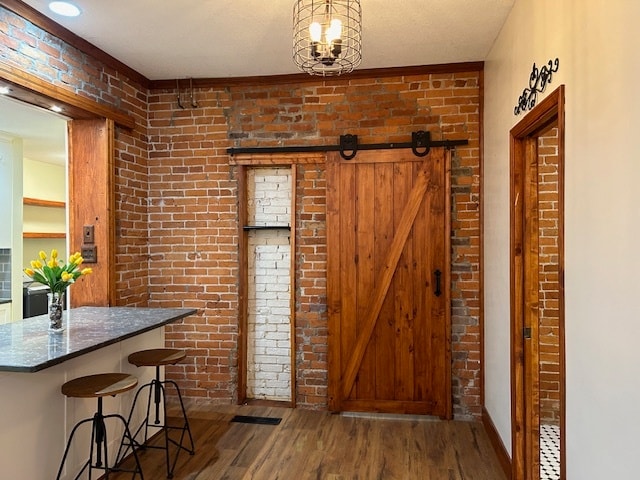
33 178
537 292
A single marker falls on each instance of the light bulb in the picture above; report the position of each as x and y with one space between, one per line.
315 31
334 31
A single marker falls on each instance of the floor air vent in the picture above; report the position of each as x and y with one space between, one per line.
256 420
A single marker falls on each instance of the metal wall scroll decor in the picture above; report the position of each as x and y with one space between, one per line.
538 81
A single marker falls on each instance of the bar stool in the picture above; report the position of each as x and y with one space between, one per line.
157 358
98 386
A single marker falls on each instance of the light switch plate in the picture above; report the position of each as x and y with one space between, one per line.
87 234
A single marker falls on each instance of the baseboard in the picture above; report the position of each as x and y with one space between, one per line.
496 443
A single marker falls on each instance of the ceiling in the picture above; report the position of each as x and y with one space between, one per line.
43 133
163 39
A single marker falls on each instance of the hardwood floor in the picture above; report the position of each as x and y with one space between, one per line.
322 446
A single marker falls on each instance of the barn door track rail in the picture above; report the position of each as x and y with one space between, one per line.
348 147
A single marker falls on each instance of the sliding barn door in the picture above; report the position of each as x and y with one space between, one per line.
388 282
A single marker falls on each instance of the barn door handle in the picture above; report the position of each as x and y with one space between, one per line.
438 275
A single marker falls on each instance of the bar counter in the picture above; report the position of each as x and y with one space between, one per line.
28 346
35 417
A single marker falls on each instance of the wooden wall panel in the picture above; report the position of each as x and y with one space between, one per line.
403 287
384 331
365 271
91 203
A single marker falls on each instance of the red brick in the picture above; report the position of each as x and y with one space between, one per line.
176 205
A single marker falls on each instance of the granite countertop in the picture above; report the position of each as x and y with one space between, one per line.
28 346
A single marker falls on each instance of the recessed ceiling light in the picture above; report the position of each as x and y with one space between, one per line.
4 90
64 8
56 109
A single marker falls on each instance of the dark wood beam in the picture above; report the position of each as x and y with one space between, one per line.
170 84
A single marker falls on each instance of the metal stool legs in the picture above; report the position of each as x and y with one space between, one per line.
157 389
99 446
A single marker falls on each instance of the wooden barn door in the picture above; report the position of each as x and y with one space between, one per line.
388 282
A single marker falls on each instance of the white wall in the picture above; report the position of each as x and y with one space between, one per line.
597 42
43 181
6 190
11 218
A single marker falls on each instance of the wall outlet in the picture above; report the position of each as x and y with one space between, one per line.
87 234
89 253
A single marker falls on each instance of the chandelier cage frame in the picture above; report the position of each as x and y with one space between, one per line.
321 57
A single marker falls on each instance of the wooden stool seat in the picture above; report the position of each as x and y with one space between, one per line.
157 419
156 357
100 385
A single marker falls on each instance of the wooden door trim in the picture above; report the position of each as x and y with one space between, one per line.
243 164
446 267
91 202
531 254
35 91
334 307
243 284
524 266
292 281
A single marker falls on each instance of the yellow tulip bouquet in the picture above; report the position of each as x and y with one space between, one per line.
54 273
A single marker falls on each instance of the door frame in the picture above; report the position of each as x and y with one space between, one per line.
525 400
94 126
242 163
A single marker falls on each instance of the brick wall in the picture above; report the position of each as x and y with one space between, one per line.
311 288
193 239
269 192
269 316
548 281
377 110
176 202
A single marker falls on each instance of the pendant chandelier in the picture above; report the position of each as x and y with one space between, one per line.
327 36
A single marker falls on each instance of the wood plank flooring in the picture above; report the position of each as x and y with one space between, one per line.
322 446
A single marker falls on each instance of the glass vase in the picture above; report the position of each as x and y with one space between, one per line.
55 303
